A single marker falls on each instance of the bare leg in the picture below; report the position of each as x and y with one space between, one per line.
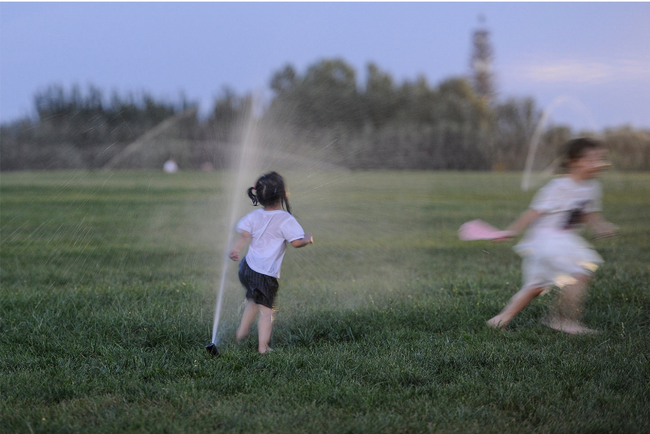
264 326
567 312
250 311
518 301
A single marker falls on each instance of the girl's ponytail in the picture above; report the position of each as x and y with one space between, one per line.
252 195
285 203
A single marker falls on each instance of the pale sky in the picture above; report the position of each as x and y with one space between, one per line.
589 61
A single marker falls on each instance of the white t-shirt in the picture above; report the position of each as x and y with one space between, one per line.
564 202
271 230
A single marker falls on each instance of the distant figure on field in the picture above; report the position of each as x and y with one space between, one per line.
170 166
553 252
268 230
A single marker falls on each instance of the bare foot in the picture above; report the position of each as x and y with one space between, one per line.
580 329
496 323
568 326
266 350
584 330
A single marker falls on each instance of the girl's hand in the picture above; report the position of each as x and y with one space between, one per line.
244 238
309 238
505 236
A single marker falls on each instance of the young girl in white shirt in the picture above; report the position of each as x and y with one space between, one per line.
553 252
268 230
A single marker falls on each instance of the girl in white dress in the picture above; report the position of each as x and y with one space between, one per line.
553 252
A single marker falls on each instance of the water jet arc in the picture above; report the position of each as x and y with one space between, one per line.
245 163
537 134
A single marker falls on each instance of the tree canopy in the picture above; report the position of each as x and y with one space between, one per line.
368 122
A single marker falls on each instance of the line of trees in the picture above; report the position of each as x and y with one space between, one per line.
376 124
78 129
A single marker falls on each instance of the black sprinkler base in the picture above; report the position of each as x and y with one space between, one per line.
212 349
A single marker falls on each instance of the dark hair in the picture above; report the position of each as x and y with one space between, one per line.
577 148
269 190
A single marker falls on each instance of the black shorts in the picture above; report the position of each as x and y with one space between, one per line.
259 287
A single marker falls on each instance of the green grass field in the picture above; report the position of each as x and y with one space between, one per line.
109 285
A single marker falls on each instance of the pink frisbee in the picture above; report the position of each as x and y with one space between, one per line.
479 230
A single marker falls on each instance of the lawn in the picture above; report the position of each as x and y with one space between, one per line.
109 282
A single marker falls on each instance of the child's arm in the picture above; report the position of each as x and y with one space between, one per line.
244 238
524 220
600 227
302 242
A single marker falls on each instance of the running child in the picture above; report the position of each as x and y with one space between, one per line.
268 230
553 252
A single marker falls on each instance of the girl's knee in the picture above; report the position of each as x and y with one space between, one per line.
265 312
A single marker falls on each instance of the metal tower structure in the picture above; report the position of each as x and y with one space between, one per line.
481 62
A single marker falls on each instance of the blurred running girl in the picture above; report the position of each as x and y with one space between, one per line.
553 252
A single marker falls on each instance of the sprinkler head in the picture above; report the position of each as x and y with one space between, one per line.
212 349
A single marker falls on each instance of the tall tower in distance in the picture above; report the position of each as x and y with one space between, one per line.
481 62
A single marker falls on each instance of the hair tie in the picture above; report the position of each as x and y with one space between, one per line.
254 188
275 190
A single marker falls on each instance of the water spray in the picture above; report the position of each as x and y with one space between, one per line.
212 346
246 168
537 134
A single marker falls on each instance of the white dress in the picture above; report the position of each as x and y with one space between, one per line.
553 252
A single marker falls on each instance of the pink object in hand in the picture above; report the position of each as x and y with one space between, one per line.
479 230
